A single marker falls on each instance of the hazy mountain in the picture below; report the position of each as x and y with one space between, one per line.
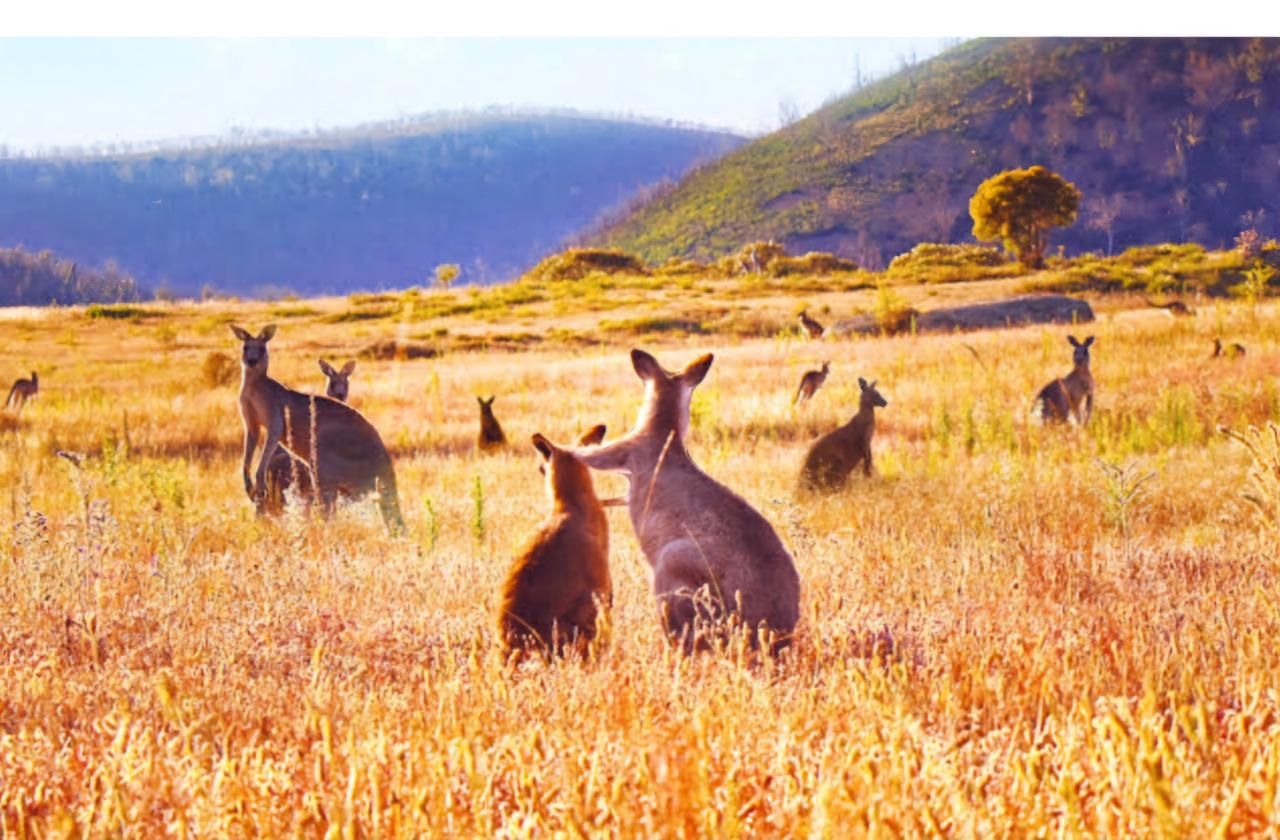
371 207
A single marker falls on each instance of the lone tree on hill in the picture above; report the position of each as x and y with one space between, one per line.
446 274
1019 206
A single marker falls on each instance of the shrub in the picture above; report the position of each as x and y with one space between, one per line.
576 263
752 258
814 262
652 324
118 311
219 369
940 254
679 267
398 351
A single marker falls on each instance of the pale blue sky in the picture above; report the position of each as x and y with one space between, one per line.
64 92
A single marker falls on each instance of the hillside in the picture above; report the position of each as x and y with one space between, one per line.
1169 139
367 208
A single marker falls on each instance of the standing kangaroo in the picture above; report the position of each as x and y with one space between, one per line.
491 436
696 533
347 457
812 327
810 383
550 595
285 468
23 390
1072 395
836 454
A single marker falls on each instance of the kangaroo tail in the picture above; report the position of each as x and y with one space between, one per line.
799 394
9 399
389 501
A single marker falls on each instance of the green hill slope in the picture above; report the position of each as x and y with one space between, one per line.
1169 139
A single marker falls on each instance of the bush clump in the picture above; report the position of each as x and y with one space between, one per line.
398 351
944 255
576 263
118 311
815 263
680 267
752 258
218 370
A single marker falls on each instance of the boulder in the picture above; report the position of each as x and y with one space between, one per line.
1011 312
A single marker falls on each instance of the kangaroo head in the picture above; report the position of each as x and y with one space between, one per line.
1081 354
486 406
667 395
254 353
870 397
826 368
567 477
339 386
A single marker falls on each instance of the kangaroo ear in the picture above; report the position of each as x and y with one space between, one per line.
1088 342
326 369
241 333
1073 341
349 367
647 367
267 331
593 437
544 446
862 383
697 370
874 382
480 400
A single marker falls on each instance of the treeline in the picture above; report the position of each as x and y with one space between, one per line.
42 279
361 213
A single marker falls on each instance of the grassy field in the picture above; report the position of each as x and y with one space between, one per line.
1006 632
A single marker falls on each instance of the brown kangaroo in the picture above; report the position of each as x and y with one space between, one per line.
347 457
1072 395
284 468
491 436
23 390
810 383
812 327
712 554
549 599
1176 308
1232 351
838 453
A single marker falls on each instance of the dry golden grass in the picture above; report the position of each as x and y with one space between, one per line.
998 639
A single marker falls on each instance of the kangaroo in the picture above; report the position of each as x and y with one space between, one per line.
284 468
1232 351
549 599
23 390
810 383
1072 395
812 327
836 454
491 436
1176 308
695 532
347 457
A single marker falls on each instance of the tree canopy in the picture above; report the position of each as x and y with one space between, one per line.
1019 206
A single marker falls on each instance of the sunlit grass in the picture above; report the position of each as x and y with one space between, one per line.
986 648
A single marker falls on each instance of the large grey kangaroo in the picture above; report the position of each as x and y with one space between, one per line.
348 457
23 390
284 470
695 532
1072 395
